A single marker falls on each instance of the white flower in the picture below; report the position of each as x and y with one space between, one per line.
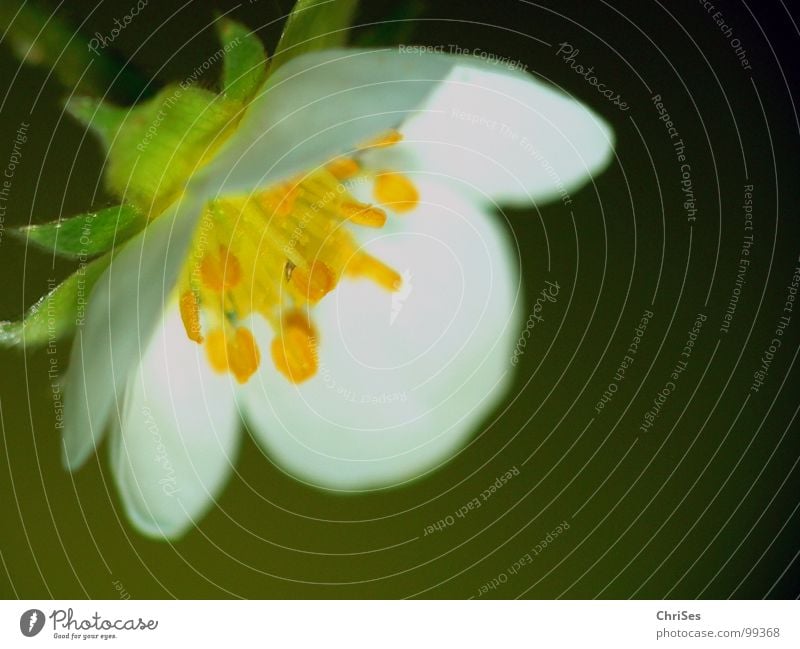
382 390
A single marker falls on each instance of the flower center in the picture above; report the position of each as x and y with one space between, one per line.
277 253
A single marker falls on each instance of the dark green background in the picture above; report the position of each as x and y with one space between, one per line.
703 505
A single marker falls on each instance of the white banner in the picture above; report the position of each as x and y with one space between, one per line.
381 624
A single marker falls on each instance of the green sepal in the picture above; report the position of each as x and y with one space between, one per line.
164 141
245 61
155 146
100 117
57 314
86 235
314 25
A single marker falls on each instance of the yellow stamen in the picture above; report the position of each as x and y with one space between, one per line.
294 350
276 252
216 351
244 356
235 352
396 191
220 270
315 282
361 214
279 201
390 138
343 168
190 315
364 265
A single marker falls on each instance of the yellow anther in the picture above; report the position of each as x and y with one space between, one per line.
343 168
315 282
220 270
286 201
364 265
396 191
244 356
299 320
294 350
361 214
190 315
389 138
216 351
279 201
235 352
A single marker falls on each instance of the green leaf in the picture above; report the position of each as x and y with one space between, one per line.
56 314
244 63
86 235
314 25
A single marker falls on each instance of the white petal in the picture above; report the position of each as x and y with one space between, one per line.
122 312
178 437
405 379
503 133
317 106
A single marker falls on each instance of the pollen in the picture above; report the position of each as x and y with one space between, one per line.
243 355
294 350
390 138
220 269
366 215
234 351
276 254
216 351
343 168
315 282
369 267
190 315
396 191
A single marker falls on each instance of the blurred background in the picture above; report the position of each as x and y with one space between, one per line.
702 503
